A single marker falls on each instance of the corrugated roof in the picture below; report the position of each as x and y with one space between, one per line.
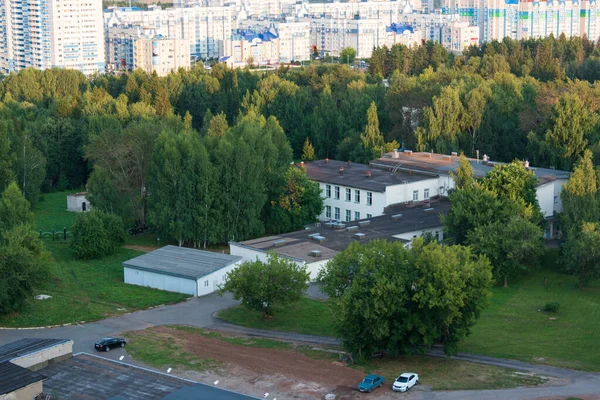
25 347
15 377
181 262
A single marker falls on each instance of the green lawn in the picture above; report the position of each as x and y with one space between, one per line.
307 316
51 212
86 291
511 327
164 349
81 290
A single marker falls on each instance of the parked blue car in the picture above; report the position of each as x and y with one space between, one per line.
371 382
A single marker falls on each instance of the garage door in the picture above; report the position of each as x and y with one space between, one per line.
159 281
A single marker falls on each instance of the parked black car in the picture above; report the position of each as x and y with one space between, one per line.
107 343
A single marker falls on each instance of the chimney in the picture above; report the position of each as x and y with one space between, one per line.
408 152
526 164
301 164
327 161
454 154
349 162
368 174
341 170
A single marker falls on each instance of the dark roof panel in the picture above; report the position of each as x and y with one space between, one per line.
200 391
24 347
181 262
14 377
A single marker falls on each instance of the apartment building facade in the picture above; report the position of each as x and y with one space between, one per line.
51 34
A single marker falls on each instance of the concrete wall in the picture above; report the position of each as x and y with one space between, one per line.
404 193
210 283
75 203
26 393
159 281
40 359
545 196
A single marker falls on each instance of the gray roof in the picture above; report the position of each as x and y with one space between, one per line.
181 262
201 392
355 175
399 219
24 347
444 164
14 377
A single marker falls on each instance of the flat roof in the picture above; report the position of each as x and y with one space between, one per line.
181 262
444 164
355 175
399 219
97 378
14 377
24 347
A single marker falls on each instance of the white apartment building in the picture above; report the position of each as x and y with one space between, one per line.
294 40
205 28
161 55
352 191
51 34
247 46
405 35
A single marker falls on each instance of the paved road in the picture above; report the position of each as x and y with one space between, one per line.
199 312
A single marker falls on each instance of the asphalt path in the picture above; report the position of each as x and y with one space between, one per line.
199 312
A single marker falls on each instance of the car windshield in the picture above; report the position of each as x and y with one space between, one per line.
402 379
368 381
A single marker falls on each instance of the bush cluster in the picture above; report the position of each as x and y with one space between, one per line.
97 234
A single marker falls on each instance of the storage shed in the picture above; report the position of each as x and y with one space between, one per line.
77 202
180 269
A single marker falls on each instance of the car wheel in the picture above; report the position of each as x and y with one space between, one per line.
122 344
106 348
381 384
417 382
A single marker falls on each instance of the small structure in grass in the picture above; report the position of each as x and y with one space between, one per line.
77 202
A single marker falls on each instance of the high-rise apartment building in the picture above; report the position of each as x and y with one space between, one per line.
51 34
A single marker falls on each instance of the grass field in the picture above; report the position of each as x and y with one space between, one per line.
162 350
81 290
307 316
511 327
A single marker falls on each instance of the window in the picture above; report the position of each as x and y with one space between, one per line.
369 216
328 211
426 194
337 213
327 190
357 196
348 215
369 198
337 192
348 194
206 283
356 215
415 195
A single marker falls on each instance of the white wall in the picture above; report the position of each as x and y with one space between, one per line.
214 280
545 196
558 187
74 203
42 356
403 193
410 236
376 209
159 281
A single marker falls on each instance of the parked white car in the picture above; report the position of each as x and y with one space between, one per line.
405 382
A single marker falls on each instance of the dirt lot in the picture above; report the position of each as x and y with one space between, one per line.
279 372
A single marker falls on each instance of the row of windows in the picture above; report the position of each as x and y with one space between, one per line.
348 194
425 194
337 214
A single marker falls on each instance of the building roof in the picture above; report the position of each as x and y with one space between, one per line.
330 239
86 376
24 347
356 175
80 194
181 262
15 377
444 164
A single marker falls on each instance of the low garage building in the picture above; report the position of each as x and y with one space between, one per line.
180 269
18 383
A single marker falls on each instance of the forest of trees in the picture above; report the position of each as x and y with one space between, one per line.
218 144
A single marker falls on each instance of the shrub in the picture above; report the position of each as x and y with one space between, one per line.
551 307
97 234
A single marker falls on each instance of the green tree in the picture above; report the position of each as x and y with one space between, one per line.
96 234
513 248
162 105
260 286
23 267
15 210
308 151
299 203
581 253
347 55
464 178
217 126
372 141
403 301
7 157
